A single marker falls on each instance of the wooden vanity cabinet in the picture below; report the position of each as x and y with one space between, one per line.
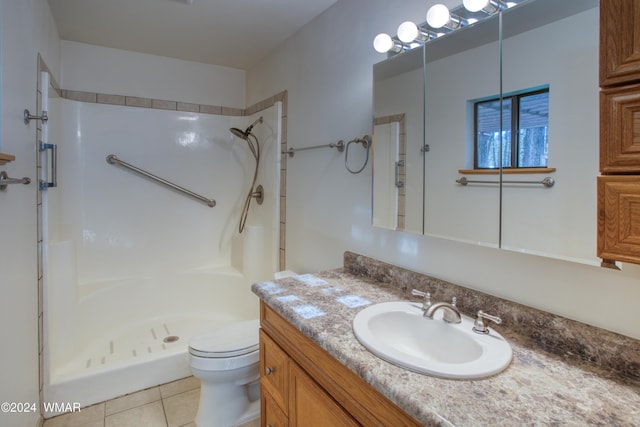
619 42
620 130
619 218
619 183
270 412
311 406
304 386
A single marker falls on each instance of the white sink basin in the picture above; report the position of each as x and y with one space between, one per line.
399 333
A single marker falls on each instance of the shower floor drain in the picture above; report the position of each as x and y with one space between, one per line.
171 338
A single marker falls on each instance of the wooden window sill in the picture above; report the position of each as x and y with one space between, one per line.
505 171
6 158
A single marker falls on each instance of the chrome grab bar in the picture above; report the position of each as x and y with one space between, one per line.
547 182
5 180
399 164
44 184
339 145
112 159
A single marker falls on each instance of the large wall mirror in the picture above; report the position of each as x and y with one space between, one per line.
539 62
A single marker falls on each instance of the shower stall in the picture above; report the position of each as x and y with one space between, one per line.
132 268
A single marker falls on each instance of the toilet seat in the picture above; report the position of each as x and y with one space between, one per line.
226 341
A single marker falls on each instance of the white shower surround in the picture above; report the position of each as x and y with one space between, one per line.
130 262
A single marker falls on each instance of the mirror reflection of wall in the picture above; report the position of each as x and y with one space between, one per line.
459 68
398 141
562 55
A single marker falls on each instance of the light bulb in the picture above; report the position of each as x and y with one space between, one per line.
407 32
382 43
475 5
438 16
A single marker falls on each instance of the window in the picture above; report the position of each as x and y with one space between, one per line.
525 115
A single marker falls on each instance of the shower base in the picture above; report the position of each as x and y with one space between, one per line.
132 358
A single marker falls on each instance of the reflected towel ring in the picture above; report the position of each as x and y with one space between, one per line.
366 143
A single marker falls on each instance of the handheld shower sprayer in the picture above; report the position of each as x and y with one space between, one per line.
244 134
254 146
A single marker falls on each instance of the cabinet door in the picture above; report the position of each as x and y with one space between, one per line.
310 405
274 370
620 130
271 414
619 42
619 218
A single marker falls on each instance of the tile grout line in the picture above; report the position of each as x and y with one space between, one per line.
164 410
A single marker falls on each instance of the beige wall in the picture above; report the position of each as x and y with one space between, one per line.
93 68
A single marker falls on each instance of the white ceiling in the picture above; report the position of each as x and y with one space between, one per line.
233 33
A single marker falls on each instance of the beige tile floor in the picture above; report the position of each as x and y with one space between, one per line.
169 405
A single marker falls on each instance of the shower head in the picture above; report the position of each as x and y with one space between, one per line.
254 146
244 134
239 133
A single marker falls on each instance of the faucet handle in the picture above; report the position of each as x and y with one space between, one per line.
479 324
454 301
426 295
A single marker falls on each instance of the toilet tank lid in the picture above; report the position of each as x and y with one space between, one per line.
230 339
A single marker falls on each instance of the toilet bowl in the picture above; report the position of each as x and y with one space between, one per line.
225 359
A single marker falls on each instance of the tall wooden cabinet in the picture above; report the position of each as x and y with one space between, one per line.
619 183
304 386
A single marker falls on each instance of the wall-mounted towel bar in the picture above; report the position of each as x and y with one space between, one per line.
5 180
339 145
112 159
547 182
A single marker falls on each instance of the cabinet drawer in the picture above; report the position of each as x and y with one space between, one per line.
274 370
619 218
620 130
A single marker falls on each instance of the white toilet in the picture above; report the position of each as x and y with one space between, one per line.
226 360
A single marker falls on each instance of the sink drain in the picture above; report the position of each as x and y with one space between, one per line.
171 338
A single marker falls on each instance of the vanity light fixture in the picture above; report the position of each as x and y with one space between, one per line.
409 32
439 16
409 35
487 6
383 43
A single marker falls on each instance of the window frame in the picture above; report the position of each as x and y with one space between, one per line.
515 127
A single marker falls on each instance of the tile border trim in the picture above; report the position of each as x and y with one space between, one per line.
158 104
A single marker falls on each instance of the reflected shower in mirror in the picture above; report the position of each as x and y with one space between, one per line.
398 141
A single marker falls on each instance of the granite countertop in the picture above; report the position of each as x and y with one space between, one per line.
539 388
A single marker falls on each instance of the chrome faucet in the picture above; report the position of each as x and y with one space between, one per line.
451 312
426 302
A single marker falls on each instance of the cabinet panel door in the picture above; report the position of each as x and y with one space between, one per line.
274 370
271 414
620 130
310 405
619 218
619 42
